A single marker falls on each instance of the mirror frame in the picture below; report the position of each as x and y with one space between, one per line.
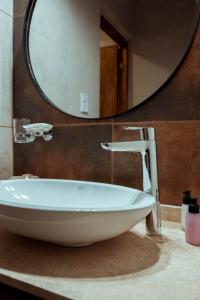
26 30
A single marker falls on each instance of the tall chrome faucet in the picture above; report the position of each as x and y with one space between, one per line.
147 147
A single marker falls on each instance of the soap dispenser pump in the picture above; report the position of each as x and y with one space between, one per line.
187 200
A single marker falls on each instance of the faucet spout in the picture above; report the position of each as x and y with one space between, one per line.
135 146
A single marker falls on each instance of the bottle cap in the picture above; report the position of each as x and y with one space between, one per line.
194 208
187 197
187 193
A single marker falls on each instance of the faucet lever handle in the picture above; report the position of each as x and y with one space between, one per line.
140 129
146 133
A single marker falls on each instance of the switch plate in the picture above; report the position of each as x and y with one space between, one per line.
84 101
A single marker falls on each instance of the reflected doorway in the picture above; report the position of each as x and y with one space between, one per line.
113 71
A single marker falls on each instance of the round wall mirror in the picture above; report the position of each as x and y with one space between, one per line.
100 58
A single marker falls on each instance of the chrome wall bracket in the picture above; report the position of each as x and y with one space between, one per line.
25 132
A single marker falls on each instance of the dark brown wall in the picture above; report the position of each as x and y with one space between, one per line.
75 151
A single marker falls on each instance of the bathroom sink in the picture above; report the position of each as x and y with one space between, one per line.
68 212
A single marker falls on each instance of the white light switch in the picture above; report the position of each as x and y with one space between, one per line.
84 99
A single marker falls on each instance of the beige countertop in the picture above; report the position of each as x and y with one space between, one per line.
131 266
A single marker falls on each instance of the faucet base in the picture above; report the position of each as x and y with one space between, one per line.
153 221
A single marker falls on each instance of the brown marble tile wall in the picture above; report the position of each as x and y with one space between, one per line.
75 151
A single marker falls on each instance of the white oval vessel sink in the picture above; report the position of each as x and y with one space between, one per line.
70 213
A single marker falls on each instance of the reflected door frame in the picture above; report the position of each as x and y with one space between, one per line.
122 68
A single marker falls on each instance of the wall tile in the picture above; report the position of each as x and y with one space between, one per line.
127 167
178 160
74 153
6 153
6 6
6 64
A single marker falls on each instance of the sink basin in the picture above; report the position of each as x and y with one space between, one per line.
68 212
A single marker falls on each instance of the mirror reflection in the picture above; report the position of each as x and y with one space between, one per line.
99 58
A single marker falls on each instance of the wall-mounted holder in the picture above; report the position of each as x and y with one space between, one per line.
25 132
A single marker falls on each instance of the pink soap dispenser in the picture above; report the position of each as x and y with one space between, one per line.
192 224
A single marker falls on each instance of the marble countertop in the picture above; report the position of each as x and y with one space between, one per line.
131 266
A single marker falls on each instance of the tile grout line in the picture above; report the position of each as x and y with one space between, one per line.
19 15
4 126
81 124
112 158
5 13
125 122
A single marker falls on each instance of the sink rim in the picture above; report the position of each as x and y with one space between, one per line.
144 200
